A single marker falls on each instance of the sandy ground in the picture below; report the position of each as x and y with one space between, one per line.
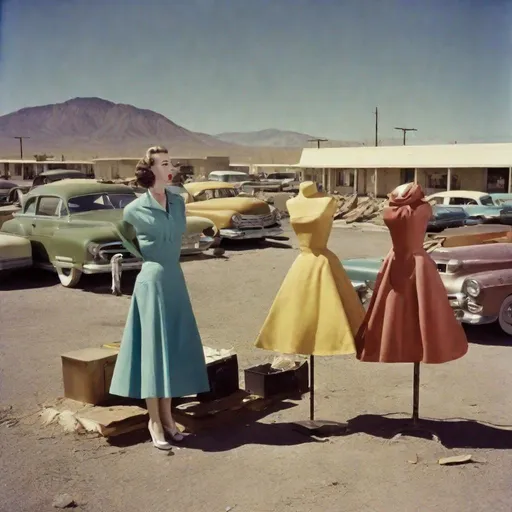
260 466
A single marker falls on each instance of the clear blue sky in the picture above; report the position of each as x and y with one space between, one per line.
313 66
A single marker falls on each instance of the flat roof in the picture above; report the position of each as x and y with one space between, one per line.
409 157
60 162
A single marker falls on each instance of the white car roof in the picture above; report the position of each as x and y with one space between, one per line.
225 173
472 194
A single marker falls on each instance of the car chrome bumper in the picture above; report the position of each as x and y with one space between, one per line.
241 234
458 302
13 263
106 268
197 247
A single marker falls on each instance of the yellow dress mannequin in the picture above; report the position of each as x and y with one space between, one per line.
316 311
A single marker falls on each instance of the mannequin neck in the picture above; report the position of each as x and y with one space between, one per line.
307 189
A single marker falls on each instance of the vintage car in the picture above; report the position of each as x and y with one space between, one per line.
234 177
74 228
478 205
16 194
5 188
474 268
15 252
501 199
444 218
236 217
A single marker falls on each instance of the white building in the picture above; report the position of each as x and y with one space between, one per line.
378 170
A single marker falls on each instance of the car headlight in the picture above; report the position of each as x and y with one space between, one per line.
236 220
471 287
453 265
93 249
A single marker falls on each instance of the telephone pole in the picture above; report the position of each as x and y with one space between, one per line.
405 130
318 141
376 126
21 145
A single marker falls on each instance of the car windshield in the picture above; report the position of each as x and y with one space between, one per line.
103 201
215 194
486 201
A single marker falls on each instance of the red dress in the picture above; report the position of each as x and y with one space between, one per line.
409 318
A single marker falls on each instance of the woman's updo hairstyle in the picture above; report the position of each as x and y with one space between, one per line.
145 176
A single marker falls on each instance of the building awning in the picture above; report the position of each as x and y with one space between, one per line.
409 157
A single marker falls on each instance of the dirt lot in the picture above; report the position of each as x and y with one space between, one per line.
258 466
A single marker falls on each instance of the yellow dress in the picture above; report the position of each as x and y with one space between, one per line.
316 311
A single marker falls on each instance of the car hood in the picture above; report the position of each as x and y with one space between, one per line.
362 269
243 205
483 252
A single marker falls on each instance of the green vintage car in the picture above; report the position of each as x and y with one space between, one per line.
74 228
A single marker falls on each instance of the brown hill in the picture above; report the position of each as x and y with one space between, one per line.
97 123
94 127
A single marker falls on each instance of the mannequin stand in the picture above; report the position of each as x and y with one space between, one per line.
415 428
312 427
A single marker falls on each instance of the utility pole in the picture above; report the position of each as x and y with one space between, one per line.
21 145
318 141
405 130
376 126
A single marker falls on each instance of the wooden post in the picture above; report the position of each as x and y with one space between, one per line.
356 177
375 182
449 179
416 175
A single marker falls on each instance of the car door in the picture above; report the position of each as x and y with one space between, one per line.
44 223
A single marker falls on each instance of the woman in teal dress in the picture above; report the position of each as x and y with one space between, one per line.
161 354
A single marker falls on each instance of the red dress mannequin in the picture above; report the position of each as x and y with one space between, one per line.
409 319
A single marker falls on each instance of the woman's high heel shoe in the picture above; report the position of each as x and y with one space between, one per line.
161 445
174 433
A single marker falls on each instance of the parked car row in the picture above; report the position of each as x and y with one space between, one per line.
476 271
72 226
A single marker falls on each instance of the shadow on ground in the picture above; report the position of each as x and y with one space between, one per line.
491 335
453 433
249 245
243 429
28 279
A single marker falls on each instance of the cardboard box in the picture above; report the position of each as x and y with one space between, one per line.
87 374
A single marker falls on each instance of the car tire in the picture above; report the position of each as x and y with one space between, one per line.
69 277
505 315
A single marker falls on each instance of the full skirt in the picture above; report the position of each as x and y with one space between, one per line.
316 311
409 318
161 354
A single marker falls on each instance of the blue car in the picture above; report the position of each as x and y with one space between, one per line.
478 205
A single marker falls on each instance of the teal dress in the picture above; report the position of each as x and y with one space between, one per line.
161 354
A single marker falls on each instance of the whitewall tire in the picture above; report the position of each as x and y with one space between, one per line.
505 316
69 277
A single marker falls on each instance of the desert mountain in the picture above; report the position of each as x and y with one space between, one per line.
278 138
97 124
267 138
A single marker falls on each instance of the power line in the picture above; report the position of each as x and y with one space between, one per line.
405 130
376 126
20 138
318 141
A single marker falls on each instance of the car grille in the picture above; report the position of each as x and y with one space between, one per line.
257 221
106 251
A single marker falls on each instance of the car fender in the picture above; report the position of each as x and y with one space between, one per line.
14 227
495 286
221 218
197 224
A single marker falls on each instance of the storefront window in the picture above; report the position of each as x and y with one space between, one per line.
439 181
